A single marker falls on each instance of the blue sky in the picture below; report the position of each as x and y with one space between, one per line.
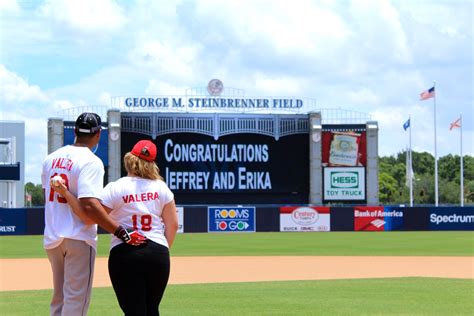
370 56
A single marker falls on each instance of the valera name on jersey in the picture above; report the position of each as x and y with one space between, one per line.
143 197
62 163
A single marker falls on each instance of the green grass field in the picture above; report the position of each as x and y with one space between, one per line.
403 296
394 296
284 244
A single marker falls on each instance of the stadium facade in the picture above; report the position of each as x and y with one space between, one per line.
218 146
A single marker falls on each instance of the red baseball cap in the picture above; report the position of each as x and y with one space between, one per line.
145 150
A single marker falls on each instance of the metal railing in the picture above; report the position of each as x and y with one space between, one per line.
215 125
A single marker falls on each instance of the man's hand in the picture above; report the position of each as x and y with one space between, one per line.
59 187
133 238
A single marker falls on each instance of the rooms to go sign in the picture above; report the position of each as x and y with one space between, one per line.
344 184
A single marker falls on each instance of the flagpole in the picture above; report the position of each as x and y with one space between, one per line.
411 166
435 151
462 167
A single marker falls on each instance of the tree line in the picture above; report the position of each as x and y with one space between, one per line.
394 185
393 182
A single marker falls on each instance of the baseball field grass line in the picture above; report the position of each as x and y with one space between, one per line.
424 243
401 296
35 273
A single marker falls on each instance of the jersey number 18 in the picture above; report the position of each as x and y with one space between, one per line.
145 221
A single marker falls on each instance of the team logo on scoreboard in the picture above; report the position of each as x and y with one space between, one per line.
215 87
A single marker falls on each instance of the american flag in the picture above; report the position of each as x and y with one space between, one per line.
428 94
28 196
455 124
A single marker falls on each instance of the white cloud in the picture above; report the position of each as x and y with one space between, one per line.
62 104
283 86
439 16
303 27
368 56
104 98
16 89
30 105
165 58
393 117
379 31
10 6
392 137
115 80
364 96
87 16
157 87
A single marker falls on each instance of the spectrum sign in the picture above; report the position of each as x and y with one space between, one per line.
231 219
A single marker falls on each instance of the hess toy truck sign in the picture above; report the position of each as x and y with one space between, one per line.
344 184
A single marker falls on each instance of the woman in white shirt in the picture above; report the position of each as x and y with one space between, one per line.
141 201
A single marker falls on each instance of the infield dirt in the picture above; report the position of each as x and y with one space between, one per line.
35 274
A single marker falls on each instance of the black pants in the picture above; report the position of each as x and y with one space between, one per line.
139 275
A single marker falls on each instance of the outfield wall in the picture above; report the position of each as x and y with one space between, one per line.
274 218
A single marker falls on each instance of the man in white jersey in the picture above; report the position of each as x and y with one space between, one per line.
70 234
143 202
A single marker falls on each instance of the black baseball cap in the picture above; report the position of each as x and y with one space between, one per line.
88 123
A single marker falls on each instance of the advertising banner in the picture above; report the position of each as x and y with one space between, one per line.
416 218
180 213
394 218
231 219
377 218
342 219
344 184
305 219
12 222
236 169
451 218
344 145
